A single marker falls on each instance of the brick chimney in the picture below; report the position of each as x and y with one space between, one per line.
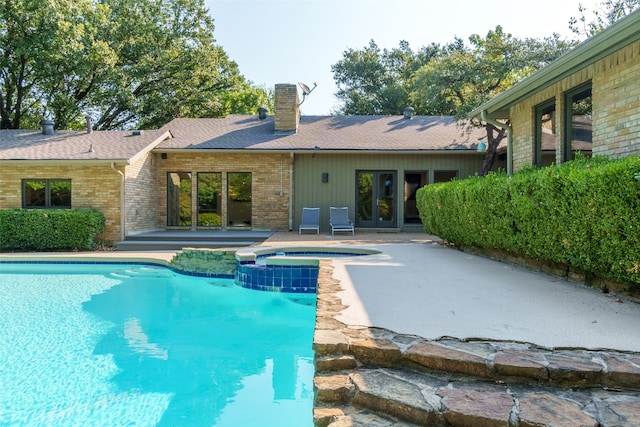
286 106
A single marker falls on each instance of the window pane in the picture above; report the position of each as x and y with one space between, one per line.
365 196
545 146
239 199
412 182
35 194
178 199
386 196
60 193
209 193
579 129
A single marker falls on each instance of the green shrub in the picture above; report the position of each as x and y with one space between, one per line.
584 213
49 229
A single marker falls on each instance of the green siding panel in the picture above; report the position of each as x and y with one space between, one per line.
340 190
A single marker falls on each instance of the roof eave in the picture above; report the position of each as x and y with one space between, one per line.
611 39
65 162
314 151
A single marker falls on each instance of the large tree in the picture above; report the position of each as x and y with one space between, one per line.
464 76
126 64
373 81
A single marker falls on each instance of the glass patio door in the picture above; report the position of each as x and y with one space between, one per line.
239 199
376 201
179 199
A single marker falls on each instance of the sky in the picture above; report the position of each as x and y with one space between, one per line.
299 40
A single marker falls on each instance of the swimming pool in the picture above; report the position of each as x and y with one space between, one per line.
141 345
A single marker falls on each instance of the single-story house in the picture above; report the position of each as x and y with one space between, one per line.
586 101
242 171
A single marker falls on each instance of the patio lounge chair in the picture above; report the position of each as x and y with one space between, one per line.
339 220
310 220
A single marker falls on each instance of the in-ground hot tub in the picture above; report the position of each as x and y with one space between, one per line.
286 269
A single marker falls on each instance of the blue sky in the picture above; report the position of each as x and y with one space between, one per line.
299 40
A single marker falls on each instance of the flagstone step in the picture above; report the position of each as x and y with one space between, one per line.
424 399
506 361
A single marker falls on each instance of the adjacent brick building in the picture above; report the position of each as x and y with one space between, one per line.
590 94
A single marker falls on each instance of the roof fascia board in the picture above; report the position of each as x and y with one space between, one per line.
63 162
617 36
312 151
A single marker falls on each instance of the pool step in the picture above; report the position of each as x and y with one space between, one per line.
143 272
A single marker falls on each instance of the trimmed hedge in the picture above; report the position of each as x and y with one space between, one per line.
584 213
49 229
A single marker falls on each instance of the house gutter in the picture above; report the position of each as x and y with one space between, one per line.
483 116
122 205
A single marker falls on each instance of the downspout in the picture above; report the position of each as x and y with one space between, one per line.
122 205
483 116
291 157
281 174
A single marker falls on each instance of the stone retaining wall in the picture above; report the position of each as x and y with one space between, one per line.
206 262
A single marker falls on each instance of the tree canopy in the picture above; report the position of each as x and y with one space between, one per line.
607 13
449 79
126 64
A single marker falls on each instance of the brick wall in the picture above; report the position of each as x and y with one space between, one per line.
141 195
616 108
270 183
616 86
95 187
287 112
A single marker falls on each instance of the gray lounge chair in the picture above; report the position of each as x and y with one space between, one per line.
339 220
310 220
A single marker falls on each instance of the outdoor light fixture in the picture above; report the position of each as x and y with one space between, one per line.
325 177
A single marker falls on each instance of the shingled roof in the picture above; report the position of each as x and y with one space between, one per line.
246 132
339 133
107 146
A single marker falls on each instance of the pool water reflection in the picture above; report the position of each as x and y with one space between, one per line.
142 345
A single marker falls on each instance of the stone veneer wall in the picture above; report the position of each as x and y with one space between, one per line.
270 175
206 262
616 108
95 187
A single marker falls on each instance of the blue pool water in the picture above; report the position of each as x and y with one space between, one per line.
138 345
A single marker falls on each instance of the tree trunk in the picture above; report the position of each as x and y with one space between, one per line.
492 147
